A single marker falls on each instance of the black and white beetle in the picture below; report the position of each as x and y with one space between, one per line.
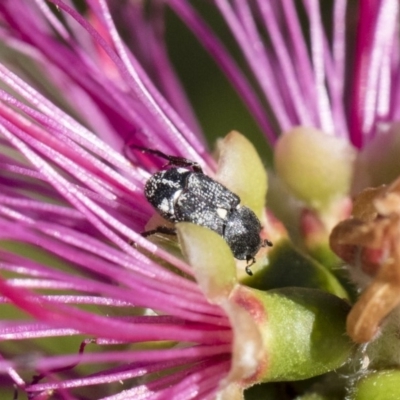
180 194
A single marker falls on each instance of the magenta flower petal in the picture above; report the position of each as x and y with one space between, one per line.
72 197
305 70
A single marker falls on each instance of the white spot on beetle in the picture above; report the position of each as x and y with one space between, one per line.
175 196
168 182
164 205
222 212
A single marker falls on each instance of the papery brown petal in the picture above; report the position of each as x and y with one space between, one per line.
363 204
376 302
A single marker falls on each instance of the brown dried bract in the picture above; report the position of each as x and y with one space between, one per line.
370 239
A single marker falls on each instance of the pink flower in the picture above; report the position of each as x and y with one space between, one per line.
332 77
72 203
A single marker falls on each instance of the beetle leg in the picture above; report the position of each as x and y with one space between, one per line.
159 229
248 270
266 242
172 160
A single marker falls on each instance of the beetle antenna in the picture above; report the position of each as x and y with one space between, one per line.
172 160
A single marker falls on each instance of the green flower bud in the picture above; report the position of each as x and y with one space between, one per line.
382 385
278 335
286 266
211 259
241 170
317 168
303 332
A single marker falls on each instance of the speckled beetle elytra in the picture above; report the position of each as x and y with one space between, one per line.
183 193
